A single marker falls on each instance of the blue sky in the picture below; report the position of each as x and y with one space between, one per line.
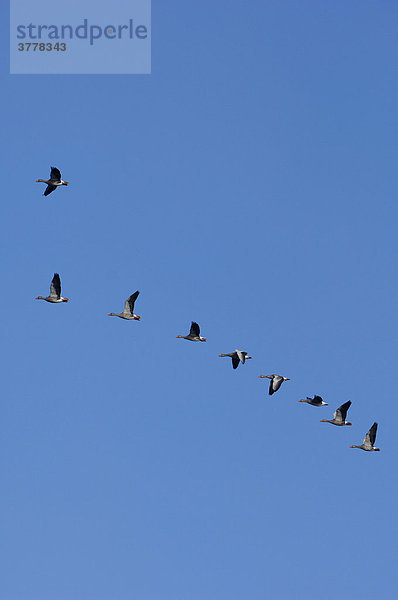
249 183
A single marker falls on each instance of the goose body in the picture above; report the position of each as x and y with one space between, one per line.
55 292
369 440
54 181
275 382
237 357
315 401
128 311
339 416
194 334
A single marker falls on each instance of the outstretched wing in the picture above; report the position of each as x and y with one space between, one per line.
235 360
341 412
131 301
55 287
129 304
241 356
50 188
271 389
371 435
55 174
195 329
276 383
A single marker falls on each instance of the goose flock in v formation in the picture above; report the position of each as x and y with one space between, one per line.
238 356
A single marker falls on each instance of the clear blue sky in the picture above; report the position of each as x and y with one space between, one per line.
260 157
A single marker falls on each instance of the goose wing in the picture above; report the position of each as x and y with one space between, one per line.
235 360
370 437
341 412
55 287
55 174
241 356
195 329
50 188
275 384
129 304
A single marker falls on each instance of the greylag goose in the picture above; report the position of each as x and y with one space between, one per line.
369 440
194 334
128 312
237 357
55 291
315 401
275 383
54 181
339 416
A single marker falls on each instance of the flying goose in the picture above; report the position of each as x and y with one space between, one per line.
315 401
275 383
339 416
194 334
369 440
237 357
128 311
55 291
54 181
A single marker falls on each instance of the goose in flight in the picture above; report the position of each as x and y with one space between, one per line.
340 415
275 383
237 357
55 291
54 181
369 440
128 311
315 401
194 334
